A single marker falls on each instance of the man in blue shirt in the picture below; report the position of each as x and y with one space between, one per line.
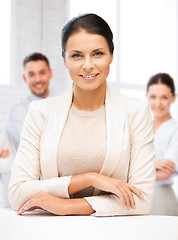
37 75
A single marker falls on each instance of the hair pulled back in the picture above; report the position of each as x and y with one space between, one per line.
163 78
92 23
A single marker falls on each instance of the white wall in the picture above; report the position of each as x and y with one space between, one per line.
36 26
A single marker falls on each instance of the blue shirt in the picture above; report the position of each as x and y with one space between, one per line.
16 117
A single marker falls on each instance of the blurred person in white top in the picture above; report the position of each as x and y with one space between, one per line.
161 95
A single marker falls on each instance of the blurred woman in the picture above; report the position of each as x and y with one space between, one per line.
161 95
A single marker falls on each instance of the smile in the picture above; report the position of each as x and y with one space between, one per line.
89 76
38 86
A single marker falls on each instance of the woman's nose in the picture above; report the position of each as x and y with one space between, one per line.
158 102
88 64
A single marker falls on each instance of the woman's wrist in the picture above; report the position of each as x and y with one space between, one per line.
91 178
81 181
78 206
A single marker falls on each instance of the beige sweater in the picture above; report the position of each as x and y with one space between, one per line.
82 147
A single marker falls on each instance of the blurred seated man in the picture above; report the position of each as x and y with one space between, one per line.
37 75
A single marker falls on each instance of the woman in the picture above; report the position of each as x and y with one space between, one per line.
93 148
161 94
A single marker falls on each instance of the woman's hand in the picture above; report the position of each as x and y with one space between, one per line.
122 190
55 205
162 175
44 201
164 169
165 165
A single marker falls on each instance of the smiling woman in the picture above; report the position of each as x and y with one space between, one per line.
92 147
161 95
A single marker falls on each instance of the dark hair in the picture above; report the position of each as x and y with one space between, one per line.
163 78
92 23
36 57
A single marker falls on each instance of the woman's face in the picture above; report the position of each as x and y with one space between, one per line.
87 59
160 99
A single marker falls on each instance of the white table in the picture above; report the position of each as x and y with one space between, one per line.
41 225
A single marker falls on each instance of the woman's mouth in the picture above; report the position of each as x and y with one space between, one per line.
89 77
158 110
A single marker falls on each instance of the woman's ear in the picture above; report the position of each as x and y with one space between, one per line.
174 98
112 56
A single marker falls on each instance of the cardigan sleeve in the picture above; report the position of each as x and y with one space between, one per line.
26 171
141 171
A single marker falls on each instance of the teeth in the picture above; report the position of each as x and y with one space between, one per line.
39 86
88 76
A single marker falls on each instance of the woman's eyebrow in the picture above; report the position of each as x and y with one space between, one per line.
76 51
97 49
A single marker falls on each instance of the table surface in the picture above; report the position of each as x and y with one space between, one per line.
42 225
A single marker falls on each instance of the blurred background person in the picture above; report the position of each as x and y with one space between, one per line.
6 158
160 95
37 75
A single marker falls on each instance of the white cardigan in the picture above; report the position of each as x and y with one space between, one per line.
129 157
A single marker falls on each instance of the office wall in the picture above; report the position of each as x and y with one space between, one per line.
36 26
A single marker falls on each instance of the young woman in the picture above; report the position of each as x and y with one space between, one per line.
161 94
93 148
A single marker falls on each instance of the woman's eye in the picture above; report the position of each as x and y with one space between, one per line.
98 53
76 55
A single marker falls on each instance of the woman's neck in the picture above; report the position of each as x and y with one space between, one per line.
157 122
89 100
